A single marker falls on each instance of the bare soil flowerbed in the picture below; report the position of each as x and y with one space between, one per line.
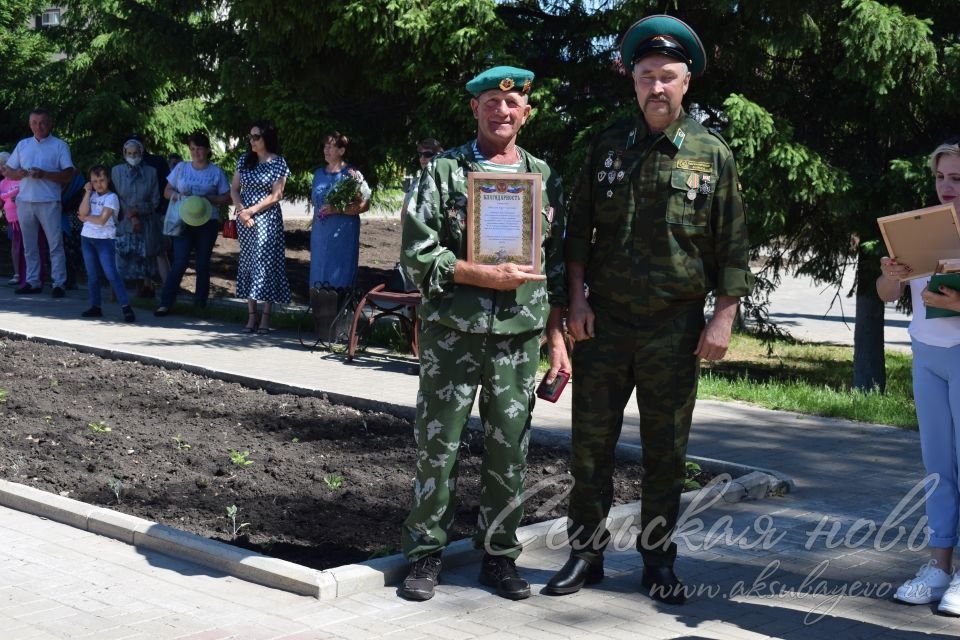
326 485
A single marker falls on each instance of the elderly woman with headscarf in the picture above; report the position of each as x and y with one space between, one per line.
139 230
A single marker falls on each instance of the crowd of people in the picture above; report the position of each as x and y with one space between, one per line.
654 226
121 223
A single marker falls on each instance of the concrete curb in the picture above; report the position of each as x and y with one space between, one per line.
339 581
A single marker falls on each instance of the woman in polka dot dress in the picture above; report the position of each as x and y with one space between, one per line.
256 190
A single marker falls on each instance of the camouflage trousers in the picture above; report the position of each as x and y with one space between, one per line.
453 365
655 354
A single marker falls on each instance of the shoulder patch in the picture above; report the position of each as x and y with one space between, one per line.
701 166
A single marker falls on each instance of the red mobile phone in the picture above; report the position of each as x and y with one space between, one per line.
550 392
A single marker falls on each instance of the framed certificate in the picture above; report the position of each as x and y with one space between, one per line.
503 218
922 238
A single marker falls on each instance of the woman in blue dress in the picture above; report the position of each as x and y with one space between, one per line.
335 236
256 191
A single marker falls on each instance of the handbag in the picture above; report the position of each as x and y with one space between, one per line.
172 223
230 229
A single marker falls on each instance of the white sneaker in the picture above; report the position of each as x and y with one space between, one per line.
950 602
14 280
928 586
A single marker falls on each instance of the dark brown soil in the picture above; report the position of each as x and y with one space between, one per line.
168 443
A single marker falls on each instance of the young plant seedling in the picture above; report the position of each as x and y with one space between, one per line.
99 427
239 459
692 469
232 514
117 487
3 396
333 481
182 444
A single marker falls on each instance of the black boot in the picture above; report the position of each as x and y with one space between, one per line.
424 576
500 572
573 575
663 585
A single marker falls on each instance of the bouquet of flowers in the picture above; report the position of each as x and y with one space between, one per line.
344 193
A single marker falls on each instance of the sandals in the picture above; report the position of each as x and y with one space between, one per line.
252 322
264 327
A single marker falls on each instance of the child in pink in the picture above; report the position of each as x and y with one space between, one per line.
8 194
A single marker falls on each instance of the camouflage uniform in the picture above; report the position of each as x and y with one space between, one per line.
658 223
474 337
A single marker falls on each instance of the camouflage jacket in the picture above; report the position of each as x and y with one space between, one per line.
657 219
435 236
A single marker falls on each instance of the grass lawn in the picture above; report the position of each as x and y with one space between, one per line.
808 378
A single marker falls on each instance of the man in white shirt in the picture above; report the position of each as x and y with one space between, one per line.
44 165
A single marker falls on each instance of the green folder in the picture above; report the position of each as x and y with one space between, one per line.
951 280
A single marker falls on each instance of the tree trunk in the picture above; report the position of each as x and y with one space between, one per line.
869 366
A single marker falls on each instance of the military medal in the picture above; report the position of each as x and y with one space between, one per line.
611 177
610 193
705 186
692 195
693 181
609 161
620 175
601 176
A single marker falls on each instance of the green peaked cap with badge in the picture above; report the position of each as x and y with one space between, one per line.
664 35
502 78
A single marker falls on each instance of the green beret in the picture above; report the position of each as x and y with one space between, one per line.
502 78
667 36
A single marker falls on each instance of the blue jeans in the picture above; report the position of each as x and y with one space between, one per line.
100 254
936 394
200 239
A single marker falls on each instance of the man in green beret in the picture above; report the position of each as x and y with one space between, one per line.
481 328
656 224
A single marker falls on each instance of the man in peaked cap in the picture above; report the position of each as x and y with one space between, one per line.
656 224
481 328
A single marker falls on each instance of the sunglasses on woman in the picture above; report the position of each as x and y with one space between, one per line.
253 137
426 154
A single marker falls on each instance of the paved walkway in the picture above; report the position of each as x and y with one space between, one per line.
760 568
823 312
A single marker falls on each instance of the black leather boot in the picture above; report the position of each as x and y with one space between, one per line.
572 576
663 585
